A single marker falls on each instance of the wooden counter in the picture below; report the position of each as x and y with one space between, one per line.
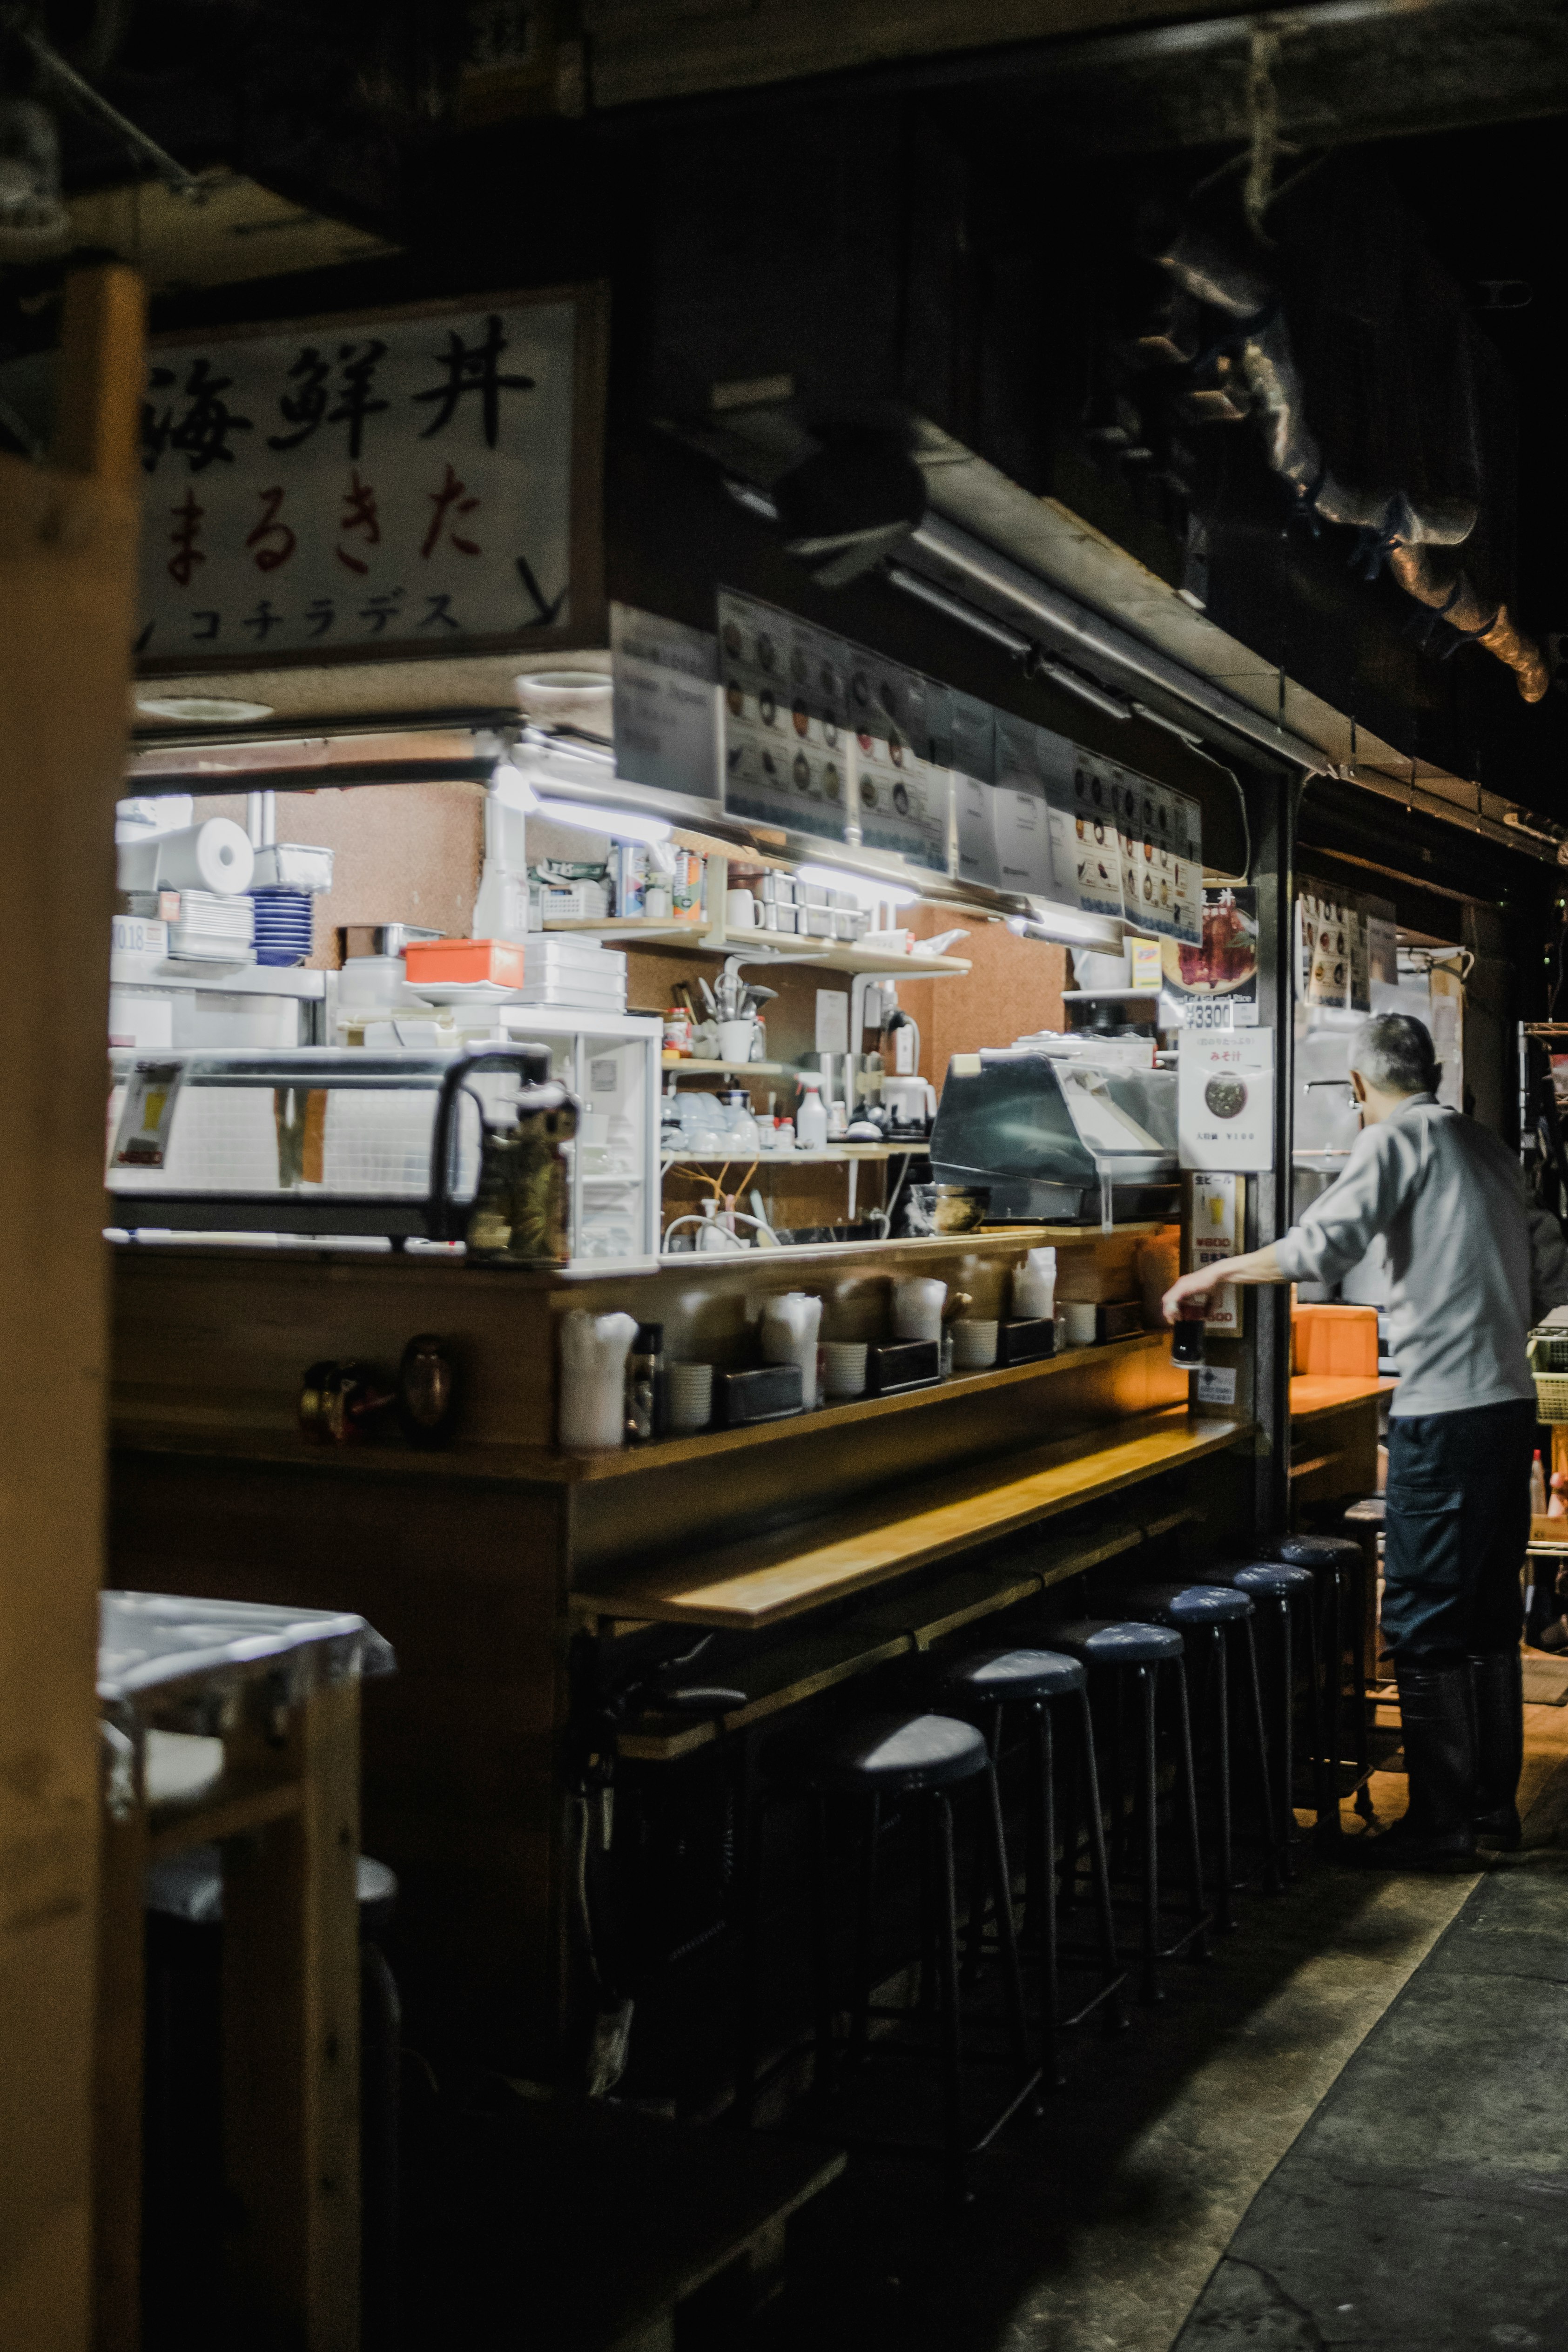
757 1584
522 1587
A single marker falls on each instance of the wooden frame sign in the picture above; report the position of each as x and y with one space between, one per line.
414 481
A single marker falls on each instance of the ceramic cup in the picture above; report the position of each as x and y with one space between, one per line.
740 911
844 1367
1080 1318
973 1345
735 1040
690 1392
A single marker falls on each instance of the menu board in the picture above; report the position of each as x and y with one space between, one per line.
1162 858
821 736
902 795
785 717
1096 841
422 478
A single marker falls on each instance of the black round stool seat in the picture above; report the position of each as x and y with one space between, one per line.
1191 1604
899 1754
1267 1579
1322 1551
1103 1642
1014 1673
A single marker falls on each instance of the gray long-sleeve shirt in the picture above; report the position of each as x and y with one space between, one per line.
1471 1264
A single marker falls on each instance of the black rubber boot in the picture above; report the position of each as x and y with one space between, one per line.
1438 1708
1498 1679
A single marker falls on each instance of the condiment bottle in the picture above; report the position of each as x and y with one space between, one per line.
646 1384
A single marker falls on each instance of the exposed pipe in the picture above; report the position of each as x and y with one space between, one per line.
1073 626
1408 536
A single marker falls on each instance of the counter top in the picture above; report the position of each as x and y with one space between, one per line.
1313 1393
757 1584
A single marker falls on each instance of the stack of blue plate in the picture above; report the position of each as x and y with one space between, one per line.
283 926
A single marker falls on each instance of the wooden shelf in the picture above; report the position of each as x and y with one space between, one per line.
815 1661
704 1444
766 1579
801 1158
766 947
684 1067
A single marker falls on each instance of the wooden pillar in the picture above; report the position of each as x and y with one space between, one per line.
68 579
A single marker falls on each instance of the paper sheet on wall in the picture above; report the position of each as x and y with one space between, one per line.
784 719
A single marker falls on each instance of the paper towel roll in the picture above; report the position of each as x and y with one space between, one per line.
215 856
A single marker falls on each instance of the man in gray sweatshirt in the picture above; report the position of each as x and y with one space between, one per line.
1472 1265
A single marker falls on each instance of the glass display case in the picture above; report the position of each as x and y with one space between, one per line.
345 1141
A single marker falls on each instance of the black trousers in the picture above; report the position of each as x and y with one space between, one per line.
1455 1530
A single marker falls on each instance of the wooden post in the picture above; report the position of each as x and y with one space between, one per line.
67 578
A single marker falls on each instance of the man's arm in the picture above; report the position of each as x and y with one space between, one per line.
1336 1231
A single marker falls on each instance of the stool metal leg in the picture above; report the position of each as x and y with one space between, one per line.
1043 1759
1271 1837
1225 1907
748 1893
865 1910
821 1966
1357 1589
1151 1857
974 1933
940 1831
1288 1737
1188 1788
1116 2017
993 1836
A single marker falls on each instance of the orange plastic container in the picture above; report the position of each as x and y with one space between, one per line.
1335 1343
443 963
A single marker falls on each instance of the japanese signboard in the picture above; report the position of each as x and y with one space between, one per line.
666 703
1214 985
420 479
1219 1204
1225 1099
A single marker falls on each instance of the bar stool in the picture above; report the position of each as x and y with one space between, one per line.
1275 1584
990 1681
1107 1646
918 1759
1218 1610
1339 1564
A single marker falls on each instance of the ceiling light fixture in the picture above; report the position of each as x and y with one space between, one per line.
618 824
1065 927
867 889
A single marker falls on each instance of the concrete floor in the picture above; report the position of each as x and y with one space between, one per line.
1344 2128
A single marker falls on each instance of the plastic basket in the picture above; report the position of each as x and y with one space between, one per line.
1552 1396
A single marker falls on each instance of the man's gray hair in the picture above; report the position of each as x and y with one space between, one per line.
1394 1052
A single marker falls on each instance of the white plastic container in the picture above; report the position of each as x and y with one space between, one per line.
789 1326
812 1117
593 1352
1034 1287
917 1305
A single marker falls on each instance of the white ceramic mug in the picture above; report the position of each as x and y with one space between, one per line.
735 1040
917 1305
844 1367
740 911
690 1395
973 1345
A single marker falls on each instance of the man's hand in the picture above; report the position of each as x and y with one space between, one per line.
1201 1285
1256 1266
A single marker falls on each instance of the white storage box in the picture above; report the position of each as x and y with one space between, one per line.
292 865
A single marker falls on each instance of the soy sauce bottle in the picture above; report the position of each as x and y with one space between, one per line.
646 1385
